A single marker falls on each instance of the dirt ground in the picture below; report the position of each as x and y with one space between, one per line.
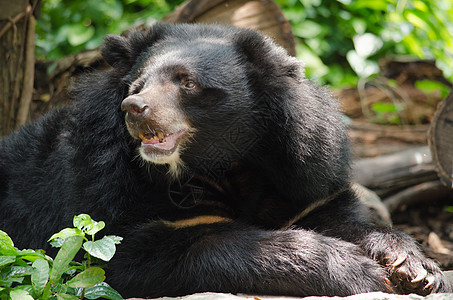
431 224
431 221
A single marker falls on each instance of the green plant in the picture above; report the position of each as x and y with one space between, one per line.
387 113
339 41
343 40
69 26
31 274
430 87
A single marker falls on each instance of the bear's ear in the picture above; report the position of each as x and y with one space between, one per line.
120 51
116 50
266 56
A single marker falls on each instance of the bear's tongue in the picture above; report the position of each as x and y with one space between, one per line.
161 141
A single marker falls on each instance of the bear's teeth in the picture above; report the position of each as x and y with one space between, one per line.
143 137
160 137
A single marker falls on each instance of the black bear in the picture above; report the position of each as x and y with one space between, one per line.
223 168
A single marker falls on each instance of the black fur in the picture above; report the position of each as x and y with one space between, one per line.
264 144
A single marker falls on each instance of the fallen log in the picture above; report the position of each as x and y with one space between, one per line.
389 174
371 140
415 195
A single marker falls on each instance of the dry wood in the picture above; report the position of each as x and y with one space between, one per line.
29 74
12 41
11 8
416 194
441 140
370 140
12 21
407 70
263 15
389 174
418 107
435 243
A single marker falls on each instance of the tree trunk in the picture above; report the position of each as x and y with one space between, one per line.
441 140
17 30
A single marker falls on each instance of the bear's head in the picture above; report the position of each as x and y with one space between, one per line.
205 99
197 94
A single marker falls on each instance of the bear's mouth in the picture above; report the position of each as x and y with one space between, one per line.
160 143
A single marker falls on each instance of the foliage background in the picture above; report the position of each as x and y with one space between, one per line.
339 40
69 26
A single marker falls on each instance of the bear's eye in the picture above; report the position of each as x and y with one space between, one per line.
189 85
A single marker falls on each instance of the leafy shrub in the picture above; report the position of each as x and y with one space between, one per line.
67 27
342 40
31 274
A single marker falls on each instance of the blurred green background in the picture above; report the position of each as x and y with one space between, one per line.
340 41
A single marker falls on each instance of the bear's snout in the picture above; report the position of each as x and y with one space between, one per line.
135 107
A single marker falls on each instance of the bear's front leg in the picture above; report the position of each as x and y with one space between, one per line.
173 259
409 270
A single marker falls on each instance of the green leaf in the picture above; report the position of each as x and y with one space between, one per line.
40 275
103 248
430 86
307 29
97 226
362 66
79 33
88 225
32 255
314 64
63 296
75 268
57 243
9 281
64 256
6 244
5 260
6 283
20 295
5 240
367 44
392 83
420 20
25 287
16 271
384 107
67 232
87 278
387 112
101 290
413 45
112 9
116 239
370 4
61 288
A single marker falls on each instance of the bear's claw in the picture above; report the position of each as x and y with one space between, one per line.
413 273
399 261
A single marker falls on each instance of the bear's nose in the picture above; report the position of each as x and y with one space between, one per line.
135 106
